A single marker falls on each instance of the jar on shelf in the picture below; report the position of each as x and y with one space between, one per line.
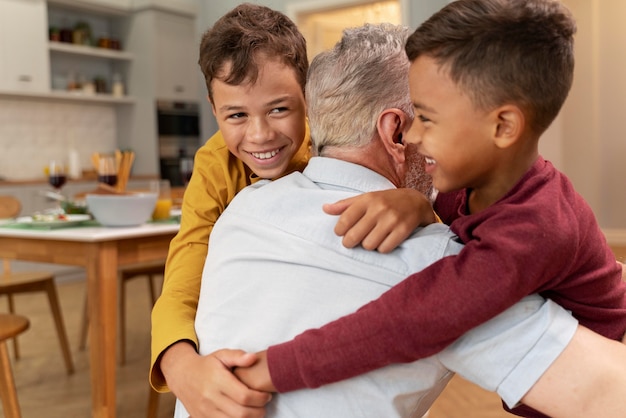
114 43
118 87
104 41
66 35
82 33
100 84
54 34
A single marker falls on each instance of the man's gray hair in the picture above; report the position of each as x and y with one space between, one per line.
350 85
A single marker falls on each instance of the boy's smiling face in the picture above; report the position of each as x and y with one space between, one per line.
263 124
449 130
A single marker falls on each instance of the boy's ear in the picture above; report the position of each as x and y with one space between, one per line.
509 125
392 124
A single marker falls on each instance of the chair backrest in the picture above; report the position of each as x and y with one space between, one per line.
10 206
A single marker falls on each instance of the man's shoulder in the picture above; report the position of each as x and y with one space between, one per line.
432 242
292 190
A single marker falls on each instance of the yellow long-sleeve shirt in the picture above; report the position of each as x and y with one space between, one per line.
218 176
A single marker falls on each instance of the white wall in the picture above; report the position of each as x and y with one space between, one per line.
34 131
593 143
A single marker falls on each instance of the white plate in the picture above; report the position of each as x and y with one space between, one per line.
70 220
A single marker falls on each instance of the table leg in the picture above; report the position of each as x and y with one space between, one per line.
102 297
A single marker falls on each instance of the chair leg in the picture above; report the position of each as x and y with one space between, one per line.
84 326
152 290
8 393
53 298
16 347
153 403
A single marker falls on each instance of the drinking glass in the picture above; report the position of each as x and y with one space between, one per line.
164 200
107 169
57 174
186 168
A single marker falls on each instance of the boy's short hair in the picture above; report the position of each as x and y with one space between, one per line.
240 35
504 51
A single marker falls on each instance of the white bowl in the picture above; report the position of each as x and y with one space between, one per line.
121 210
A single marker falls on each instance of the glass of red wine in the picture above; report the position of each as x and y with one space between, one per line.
107 170
57 174
57 177
186 168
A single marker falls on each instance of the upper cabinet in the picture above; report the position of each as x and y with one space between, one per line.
24 60
176 57
165 44
88 50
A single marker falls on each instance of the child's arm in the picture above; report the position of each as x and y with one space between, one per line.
205 198
584 381
381 220
407 322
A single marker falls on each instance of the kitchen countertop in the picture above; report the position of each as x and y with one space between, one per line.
85 179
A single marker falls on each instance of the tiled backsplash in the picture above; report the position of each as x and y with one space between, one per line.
34 131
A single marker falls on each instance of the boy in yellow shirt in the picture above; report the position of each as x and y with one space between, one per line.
255 64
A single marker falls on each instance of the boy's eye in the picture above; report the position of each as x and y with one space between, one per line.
423 118
236 115
278 110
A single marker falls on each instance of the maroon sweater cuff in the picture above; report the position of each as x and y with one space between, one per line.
282 363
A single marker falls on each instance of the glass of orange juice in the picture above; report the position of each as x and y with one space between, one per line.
164 200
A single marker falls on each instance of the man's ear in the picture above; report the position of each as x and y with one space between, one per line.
392 124
509 125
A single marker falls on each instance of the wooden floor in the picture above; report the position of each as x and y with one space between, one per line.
45 390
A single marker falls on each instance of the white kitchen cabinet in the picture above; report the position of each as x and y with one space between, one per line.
176 57
164 44
24 60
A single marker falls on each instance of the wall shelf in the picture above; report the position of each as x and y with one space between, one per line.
66 96
89 51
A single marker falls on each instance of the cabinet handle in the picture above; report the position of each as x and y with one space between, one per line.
25 77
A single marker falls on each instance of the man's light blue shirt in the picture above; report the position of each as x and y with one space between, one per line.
275 268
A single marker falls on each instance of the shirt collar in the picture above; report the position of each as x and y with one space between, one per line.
338 173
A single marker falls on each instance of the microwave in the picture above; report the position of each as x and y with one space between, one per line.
178 119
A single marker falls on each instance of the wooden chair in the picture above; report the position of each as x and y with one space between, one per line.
147 270
10 327
33 281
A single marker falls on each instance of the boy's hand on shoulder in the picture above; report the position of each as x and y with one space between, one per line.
257 376
381 220
206 386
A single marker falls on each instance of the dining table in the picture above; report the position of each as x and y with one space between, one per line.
101 251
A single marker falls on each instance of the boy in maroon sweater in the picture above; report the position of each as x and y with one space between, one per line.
487 78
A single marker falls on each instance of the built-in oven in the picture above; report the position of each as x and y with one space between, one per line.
179 137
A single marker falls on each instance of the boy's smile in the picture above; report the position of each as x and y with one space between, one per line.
449 130
263 123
